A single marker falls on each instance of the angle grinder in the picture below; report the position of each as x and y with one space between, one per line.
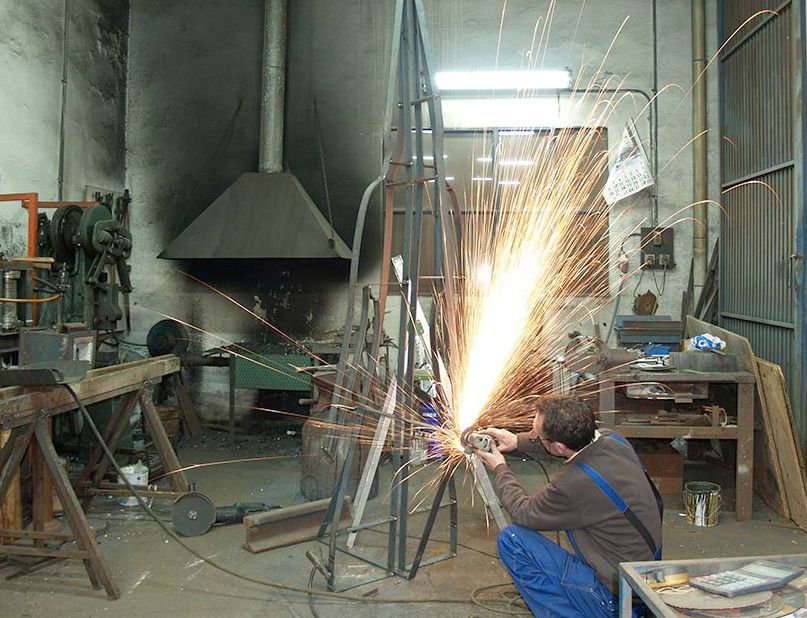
194 513
473 439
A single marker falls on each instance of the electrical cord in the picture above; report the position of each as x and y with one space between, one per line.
220 567
663 281
513 603
546 475
314 612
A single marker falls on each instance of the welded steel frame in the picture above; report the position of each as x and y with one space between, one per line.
410 89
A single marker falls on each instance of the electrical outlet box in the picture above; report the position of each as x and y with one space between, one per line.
657 248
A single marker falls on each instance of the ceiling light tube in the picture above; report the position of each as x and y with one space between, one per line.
503 80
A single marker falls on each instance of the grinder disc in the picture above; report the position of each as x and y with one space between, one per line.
193 514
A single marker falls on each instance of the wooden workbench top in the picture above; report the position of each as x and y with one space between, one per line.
19 404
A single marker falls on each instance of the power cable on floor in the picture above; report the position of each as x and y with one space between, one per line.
546 475
222 568
509 601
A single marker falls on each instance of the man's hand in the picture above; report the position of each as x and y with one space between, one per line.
492 459
507 439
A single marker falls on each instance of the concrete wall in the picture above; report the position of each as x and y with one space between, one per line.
193 118
31 61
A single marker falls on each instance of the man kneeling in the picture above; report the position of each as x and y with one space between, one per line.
601 497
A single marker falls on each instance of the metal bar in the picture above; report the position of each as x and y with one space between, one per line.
488 494
749 318
337 500
414 182
757 174
370 524
371 466
427 529
398 497
453 516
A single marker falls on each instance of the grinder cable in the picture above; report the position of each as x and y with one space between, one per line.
216 565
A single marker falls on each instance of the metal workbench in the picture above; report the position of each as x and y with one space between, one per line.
631 580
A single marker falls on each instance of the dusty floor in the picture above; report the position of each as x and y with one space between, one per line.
158 577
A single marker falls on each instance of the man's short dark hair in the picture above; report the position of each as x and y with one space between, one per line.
567 419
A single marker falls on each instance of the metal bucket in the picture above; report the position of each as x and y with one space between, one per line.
702 503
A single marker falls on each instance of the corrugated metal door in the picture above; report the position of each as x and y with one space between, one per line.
762 182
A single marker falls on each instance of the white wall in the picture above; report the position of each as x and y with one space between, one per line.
31 52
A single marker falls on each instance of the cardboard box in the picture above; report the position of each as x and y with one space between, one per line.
665 466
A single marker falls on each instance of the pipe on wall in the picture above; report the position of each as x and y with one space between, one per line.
700 224
273 86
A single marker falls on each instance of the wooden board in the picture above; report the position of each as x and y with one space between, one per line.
774 391
20 406
10 505
768 481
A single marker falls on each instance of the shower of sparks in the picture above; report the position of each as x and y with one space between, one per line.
530 253
534 262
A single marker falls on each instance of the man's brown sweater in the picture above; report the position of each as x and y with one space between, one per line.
572 501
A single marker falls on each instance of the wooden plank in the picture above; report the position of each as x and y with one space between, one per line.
192 422
41 486
10 503
94 562
162 443
97 385
98 463
112 434
25 550
16 533
768 479
774 391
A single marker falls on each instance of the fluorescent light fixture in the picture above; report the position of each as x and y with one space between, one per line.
481 179
511 183
520 114
485 159
427 157
449 178
503 80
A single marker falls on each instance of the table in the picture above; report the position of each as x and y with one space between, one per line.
742 432
25 413
632 582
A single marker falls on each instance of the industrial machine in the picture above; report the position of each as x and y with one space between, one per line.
62 300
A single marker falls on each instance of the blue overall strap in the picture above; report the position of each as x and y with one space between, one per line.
621 506
573 543
659 500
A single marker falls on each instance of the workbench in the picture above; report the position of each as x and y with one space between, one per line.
631 580
25 413
742 432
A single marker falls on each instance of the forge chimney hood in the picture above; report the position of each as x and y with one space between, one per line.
265 214
260 215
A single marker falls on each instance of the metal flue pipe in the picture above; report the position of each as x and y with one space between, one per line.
700 223
273 86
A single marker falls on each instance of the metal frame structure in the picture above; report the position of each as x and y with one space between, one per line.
412 93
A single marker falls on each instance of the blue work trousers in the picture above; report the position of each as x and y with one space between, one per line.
553 582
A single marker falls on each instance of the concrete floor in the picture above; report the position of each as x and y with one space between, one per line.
156 576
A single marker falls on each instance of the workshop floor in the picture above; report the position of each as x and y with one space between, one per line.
158 577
